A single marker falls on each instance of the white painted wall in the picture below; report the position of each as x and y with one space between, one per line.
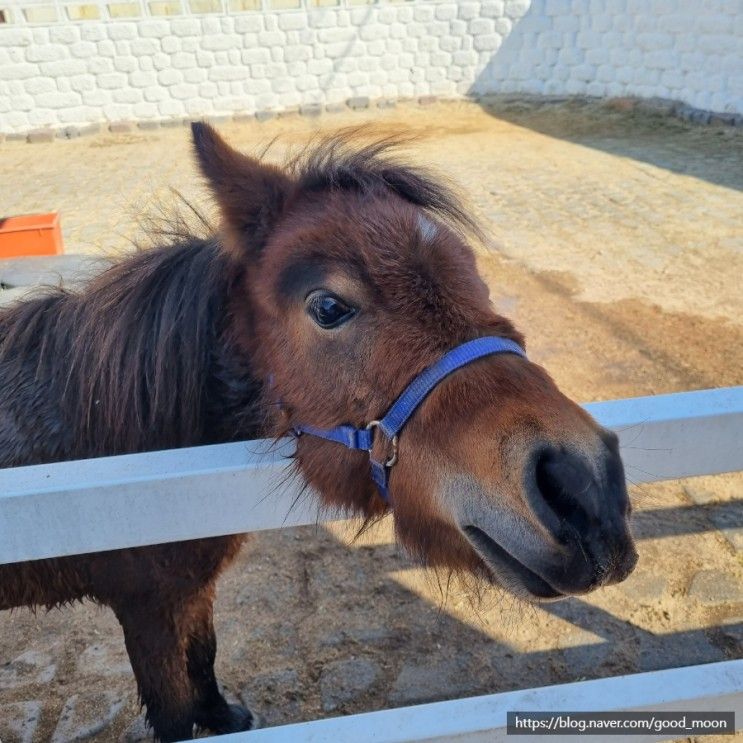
56 72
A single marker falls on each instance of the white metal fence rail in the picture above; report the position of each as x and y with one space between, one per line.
125 501
710 688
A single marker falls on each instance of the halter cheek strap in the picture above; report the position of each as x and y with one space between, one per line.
407 403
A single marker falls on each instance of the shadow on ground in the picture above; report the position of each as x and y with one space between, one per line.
657 139
370 635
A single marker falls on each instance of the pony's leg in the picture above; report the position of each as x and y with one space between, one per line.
212 710
156 643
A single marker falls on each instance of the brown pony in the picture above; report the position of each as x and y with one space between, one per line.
338 277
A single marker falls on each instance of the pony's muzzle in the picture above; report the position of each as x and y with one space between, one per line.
568 531
582 502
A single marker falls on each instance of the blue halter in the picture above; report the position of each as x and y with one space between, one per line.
407 403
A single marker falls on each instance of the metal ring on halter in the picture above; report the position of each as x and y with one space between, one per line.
394 440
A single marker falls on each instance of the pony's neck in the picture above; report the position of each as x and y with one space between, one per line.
233 395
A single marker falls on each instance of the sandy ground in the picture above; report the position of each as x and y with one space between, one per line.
617 247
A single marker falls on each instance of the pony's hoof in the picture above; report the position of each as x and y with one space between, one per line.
227 718
240 719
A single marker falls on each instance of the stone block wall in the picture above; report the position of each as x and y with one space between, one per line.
685 50
66 63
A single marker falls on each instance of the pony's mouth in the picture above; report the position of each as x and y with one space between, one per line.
509 571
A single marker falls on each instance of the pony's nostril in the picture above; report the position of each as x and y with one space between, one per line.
563 482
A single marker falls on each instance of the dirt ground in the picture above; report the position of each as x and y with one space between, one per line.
617 247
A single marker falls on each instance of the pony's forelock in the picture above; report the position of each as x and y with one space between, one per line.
355 159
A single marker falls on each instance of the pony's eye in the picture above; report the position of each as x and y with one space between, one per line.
327 310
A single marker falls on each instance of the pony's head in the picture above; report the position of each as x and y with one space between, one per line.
355 276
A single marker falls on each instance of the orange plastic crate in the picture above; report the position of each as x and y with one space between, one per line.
31 234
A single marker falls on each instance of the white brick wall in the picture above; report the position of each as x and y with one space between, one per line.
685 50
150 68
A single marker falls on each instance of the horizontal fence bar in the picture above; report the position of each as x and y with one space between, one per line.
91 505
715 687
685 434
133 500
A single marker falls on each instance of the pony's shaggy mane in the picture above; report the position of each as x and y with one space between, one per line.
133 359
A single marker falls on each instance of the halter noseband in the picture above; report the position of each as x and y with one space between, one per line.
407 403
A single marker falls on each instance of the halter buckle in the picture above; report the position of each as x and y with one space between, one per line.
392 459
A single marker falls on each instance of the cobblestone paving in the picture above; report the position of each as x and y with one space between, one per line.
617 249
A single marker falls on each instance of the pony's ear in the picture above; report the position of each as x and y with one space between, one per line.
251 194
